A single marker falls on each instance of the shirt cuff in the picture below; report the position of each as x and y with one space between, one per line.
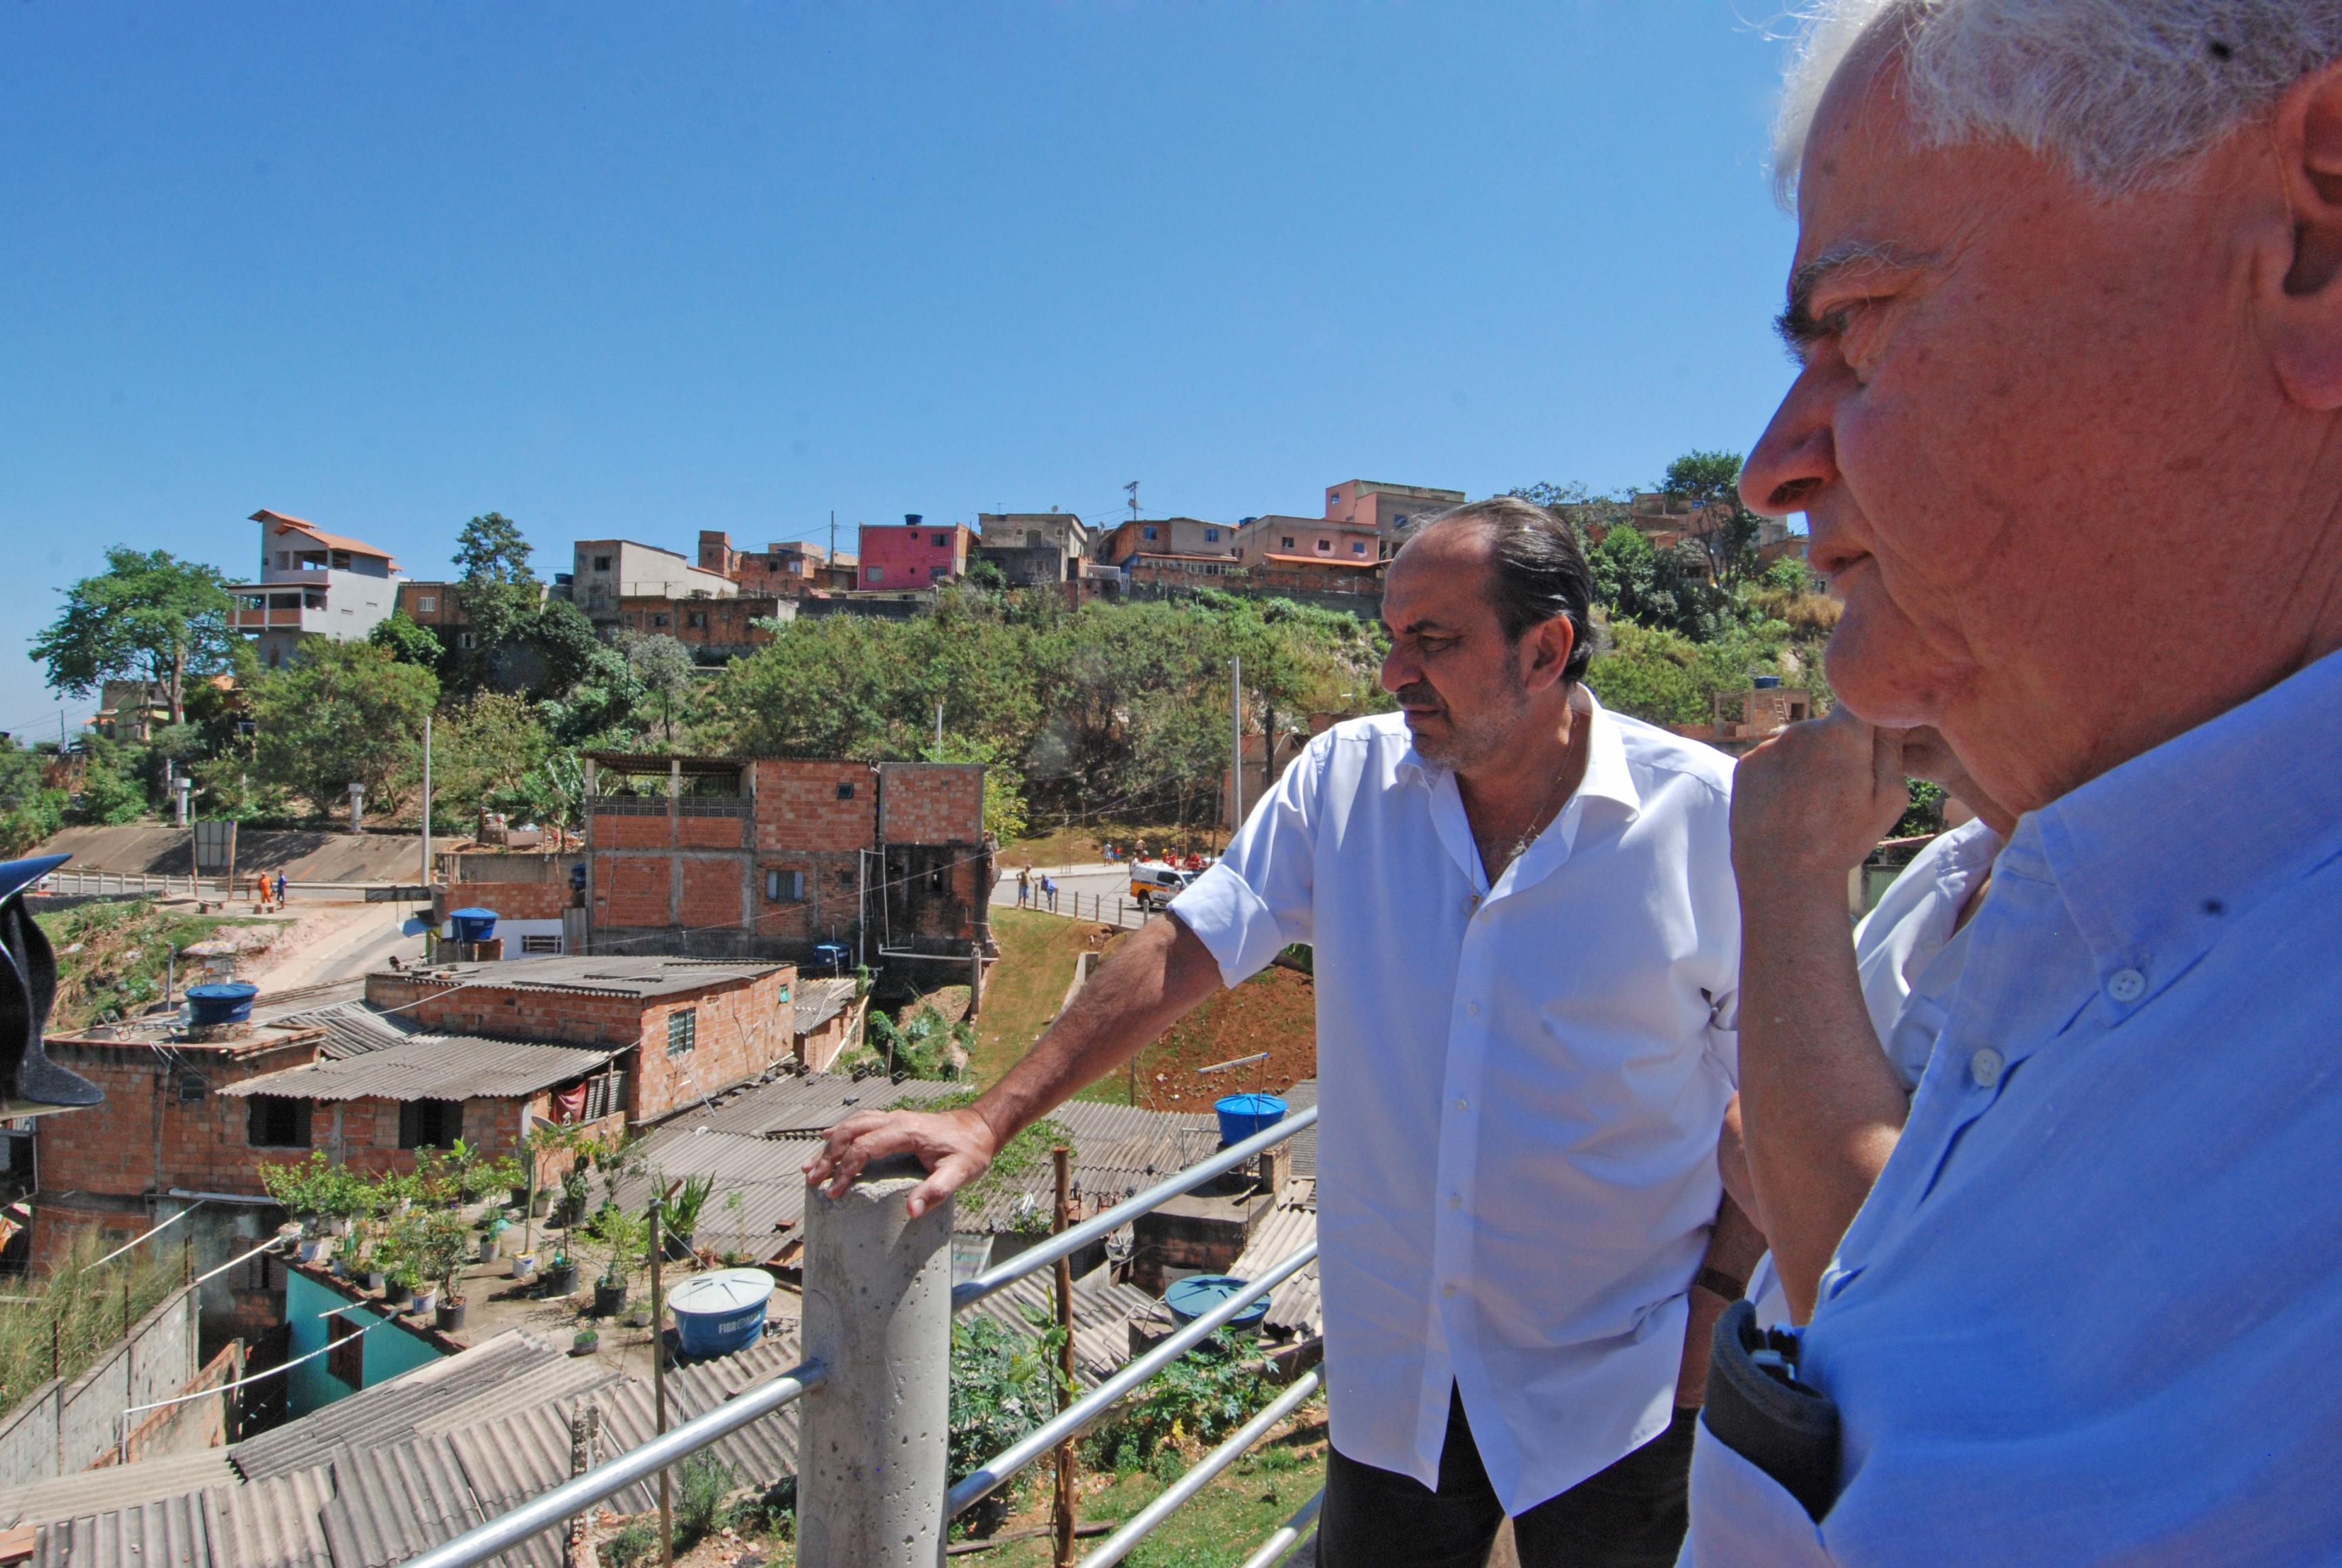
1233 922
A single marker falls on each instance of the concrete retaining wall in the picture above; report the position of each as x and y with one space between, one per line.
58 1430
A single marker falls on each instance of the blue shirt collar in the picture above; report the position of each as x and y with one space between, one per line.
2155 855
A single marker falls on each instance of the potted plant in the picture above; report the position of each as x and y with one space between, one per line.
573 1193
586 1340
682 1211
301 1186
561 1273
491 1230
438 1247
622 1239
404 1274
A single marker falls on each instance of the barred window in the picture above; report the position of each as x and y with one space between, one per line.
681 1031
429 1124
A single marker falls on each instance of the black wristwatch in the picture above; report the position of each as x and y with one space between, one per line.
1716 1282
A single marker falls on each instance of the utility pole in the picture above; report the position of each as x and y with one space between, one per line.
1235 754
833 538
939 729
1133 488
426 806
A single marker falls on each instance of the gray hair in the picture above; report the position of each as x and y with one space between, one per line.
2126 93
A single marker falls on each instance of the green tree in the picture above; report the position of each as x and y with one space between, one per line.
1711 481
30 811
409 640
662 667
342 712
1665 589
110 790
484 751
149 617
490 549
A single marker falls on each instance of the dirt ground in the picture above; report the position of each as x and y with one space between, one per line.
1276 1011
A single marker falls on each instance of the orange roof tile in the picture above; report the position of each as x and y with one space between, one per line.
331 540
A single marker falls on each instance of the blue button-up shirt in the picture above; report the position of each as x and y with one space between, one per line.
2091 1311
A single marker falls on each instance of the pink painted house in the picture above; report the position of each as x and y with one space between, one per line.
913 553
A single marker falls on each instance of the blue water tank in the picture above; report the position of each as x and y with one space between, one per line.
473 924
721 1312
1192 1297
1242 1116
1765 682
228 1003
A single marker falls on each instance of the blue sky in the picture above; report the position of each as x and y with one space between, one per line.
638 271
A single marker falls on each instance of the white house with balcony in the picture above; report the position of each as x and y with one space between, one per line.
312 583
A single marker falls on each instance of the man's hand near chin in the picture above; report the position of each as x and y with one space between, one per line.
956 1146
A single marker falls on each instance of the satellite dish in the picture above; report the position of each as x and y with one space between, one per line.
415 926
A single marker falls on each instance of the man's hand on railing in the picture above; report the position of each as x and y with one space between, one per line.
954 1145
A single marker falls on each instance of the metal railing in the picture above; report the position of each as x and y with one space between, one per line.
872 1450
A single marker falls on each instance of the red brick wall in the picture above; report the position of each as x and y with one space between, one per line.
798 806
740 1032
143 1138
830 889
712 833
513 900
932 803
625 830
630 890
712 893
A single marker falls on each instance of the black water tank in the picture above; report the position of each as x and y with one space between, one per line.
911 519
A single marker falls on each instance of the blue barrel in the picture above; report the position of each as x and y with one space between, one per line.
718 1313
228 1002
1764 682
1192 1297
473 924
1242 1116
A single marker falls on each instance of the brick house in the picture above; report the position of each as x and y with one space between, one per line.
695 1027
539 899
1032 548
714 629
770 857
913 553
1164 536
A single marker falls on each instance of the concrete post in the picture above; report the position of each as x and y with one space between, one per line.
877 1316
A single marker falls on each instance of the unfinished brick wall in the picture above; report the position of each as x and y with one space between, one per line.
739 1031
712 891
162 1124
931 803
799 808
512 900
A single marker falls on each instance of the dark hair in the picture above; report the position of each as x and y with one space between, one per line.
1537 571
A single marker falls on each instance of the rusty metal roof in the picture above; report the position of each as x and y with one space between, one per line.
432 1067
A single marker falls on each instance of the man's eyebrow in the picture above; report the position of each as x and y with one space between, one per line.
1795 324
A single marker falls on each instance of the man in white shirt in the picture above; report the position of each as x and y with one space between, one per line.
1526 945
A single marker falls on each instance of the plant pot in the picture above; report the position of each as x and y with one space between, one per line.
449 1315
373 1280
585 1341
677 1248
524 1265
561 1280
541 1205
520 1196
399 1294
609 1300
488 1246
339 1225
426 1300
341 1266
639 1315
315 1249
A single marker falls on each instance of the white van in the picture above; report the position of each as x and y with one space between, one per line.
1154 884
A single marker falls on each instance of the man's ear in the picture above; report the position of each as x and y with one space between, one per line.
2305 316
1544 653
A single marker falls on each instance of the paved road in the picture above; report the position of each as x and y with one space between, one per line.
1098 892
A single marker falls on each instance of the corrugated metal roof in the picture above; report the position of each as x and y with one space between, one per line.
390 1411
117 1485
1118 1150
1294 1308
352 1029
820 1001
273 1524
803 1106
616 975
766 1174
433 1067
392 1501
1304 1143
166 1533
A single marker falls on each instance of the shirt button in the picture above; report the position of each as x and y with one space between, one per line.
1455 1200
1472 1008
1463 1105
1984 1068
2125 986
1448 1289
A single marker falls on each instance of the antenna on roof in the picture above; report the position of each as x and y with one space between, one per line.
1133 488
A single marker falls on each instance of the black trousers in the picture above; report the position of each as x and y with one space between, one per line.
1632 1514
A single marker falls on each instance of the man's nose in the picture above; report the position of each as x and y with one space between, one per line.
1797 458
1398 670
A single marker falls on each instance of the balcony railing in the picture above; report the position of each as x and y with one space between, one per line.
876 1385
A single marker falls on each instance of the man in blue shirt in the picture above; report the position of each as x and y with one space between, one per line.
2068 428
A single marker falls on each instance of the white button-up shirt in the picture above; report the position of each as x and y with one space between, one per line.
1520 1087
2088 1314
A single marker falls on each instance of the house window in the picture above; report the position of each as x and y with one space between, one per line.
345 1351
846 791
1324 547
600 562
1357 547
785 886
278 1123
464 640
191 1086
681 1031
698 618
943 539
1149 533
429 1124
659 620
426 604
1211 535
540 945
1285 543
877 573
